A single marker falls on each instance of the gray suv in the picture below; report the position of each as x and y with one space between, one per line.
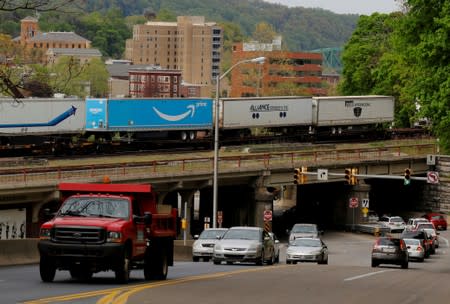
388 250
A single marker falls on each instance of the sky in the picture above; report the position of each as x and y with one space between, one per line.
361 7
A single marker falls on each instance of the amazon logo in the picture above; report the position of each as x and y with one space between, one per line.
190 111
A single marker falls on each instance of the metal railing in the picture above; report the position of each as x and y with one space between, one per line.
17 178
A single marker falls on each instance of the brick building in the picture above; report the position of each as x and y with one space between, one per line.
301 72
52 45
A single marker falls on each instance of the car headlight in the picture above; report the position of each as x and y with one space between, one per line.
44 234
113 237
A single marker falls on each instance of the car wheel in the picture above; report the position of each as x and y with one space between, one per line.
260 261
374 263
272 258
421 260
205 259
195 259
288 262
405 265
216 262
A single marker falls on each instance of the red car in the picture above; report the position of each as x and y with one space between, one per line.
439 220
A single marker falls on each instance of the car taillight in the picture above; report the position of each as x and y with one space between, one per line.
419 248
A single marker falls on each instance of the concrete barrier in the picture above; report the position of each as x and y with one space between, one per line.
20 252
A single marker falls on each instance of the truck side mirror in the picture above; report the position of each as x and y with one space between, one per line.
147 218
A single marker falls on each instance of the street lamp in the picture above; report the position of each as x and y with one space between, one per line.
216 131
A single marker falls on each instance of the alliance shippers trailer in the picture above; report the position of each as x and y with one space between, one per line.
102 227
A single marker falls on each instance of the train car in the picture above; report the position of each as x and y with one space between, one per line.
29 122
283 115
351 115
146 118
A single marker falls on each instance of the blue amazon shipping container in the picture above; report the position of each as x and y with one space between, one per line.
149 114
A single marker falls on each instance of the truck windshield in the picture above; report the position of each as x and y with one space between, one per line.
95 207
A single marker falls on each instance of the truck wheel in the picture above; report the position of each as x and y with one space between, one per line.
123 270
47 269
156 265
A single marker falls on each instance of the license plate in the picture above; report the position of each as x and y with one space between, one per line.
389 250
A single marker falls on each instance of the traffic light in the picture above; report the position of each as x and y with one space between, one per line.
300 176
354 178
348 176
407 179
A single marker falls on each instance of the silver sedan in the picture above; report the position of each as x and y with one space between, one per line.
245 244
307 250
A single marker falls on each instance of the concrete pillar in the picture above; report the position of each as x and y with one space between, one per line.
263 202
187 201
359 193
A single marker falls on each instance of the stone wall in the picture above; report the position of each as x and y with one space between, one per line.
438 195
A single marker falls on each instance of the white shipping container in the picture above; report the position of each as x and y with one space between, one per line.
352 110
41 116
265 112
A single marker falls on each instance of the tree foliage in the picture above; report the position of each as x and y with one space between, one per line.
405 55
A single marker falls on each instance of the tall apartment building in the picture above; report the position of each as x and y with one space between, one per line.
190 45
299 72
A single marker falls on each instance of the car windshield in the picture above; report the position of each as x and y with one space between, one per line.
437 217
304 229
211 234
95 207
306 243
425 225
412 241
396 219
389 242
242 234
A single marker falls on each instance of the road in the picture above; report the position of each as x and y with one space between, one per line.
347 279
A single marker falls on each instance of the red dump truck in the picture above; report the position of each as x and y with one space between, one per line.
102 227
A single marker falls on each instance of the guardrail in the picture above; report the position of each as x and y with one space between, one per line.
14 178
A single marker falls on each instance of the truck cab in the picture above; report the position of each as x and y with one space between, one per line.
101 227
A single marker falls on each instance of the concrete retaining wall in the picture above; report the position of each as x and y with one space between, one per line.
19 252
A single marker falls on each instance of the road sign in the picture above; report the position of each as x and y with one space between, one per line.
365 211
353 202
322 174
431 160
267 215
432 177
365 203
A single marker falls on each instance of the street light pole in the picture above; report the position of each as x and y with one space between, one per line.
216 132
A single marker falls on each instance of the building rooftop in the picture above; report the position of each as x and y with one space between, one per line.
74 52
58 36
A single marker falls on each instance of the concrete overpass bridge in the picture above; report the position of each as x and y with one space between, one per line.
250 182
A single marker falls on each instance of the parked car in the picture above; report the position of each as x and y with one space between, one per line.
420 235
372 217
307 250
389 250
412 222
276 245
303 230
203 246
415 249
439 220
245 244
394 223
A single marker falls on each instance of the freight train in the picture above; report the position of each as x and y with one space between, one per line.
63 125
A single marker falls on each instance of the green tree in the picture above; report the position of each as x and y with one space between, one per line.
264 33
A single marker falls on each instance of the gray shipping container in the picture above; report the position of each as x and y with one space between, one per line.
265 112
352 110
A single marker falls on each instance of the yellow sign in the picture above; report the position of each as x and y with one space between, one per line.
365 210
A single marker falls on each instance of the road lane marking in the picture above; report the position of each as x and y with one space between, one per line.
112 294
367 275
123 298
